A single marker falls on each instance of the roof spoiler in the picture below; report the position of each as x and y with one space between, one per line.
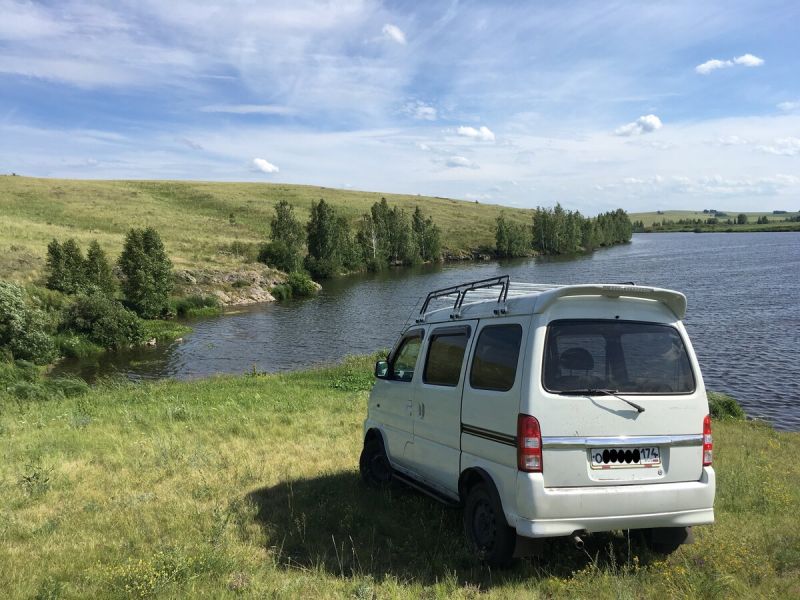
675 301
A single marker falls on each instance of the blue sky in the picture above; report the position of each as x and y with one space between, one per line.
643 105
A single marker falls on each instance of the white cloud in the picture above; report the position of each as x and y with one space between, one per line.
732 140
712 65
642 125
420 110
394 33
460 161
745 60
789 106
265 166
748 60
716 184
483 133
249 109
23 21
789 146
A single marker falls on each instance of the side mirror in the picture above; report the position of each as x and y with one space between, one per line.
381 369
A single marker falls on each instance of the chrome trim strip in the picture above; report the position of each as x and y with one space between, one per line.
611 442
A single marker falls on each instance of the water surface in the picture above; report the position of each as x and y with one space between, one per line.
743 315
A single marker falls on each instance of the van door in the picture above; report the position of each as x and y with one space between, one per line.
492 390
392 398
437 404
620 402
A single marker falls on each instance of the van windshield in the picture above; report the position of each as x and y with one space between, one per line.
622 356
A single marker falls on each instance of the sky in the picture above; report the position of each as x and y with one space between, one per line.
596 105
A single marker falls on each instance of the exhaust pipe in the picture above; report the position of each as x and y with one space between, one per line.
577 541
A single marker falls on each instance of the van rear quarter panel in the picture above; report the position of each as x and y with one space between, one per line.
607 416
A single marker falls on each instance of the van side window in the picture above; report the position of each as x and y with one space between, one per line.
494 364
405 359
445 355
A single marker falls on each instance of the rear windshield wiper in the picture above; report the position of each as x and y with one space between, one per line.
601 392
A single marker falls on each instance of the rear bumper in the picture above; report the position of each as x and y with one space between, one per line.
551 512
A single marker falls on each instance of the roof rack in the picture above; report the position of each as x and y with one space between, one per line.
461 291
546 294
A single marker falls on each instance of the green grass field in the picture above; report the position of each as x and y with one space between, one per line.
775 221
247 487
198 221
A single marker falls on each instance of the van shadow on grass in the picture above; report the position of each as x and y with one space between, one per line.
335 523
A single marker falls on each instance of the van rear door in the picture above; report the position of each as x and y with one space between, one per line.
619 402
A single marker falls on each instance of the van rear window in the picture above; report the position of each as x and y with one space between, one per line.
622 356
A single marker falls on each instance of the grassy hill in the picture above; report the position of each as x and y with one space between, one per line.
198 221
247 487
776 222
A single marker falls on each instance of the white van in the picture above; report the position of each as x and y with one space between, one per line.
547 411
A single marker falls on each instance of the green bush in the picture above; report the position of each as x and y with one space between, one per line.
279 255
103 321
195 306
285 249
50 301
281 292
147 273
72 345
298 285
98 271
164 331
723 406
23 328
322 268
66 268
301 285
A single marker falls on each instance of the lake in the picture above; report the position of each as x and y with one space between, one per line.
743 315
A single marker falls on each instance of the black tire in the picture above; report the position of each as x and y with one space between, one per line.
666 540
488 534
373 464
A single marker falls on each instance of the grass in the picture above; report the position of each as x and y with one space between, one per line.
247 487
193 218
195 306
776 222
164 331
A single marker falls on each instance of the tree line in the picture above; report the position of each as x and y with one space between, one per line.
716 219
87 304
327 244
559 231
144 272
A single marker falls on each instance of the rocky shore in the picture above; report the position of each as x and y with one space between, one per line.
249 284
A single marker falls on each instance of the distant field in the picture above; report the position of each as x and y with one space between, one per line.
648 218
198 221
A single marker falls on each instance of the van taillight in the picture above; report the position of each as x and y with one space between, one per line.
529 444
708 443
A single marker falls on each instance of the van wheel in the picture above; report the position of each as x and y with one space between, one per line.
488 534
666 540
373 464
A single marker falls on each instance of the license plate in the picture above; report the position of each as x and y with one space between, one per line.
616 458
